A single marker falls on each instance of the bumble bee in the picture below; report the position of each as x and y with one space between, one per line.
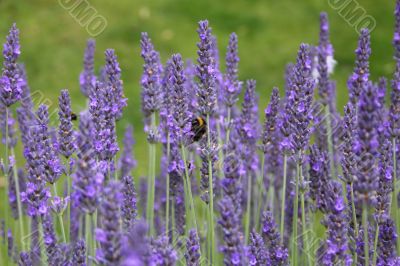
74 117
199 127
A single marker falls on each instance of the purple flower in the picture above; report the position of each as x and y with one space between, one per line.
319 177
79 253
151 78
100 107
192 254
87 182
232 86
109 235
162 253
52 248
117 101
181 116
248 129
135 246
387 242
36 194
336 248
65 130
359 79
348 159
258 254
271 137
87 78
11 82
127 160
128 208
325 50
207 153
52 164
10 127
299 101
386 182
366 147
232 235
206 90
278 254
59 205
25 259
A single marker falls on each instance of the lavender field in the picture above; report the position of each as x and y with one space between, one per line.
214 170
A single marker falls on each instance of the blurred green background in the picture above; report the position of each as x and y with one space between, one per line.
269 31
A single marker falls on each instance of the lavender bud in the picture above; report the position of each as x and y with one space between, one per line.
65 130
87 78
128 208
109 235
206 91
192 254
10 82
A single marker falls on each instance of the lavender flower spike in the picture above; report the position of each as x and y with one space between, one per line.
128 208
65 130
79 253
50 241
232 85
325 55
109 234
127 160
360 76
53 168
87 79
11 82
151 78
192 254
206 91
336 221
114 83
278 254
182 117
366 147
232 235
258 254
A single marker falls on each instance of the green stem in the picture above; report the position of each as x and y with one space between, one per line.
151 180
211 194
353 210
261 193
167 189
375 244
69 187
173 219
365 229
296 214
248 207
228 130
305 232
283 198
329 139
60 216
93 224
19 204
88 239
189 188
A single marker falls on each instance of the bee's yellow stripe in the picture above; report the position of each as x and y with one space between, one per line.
201 121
